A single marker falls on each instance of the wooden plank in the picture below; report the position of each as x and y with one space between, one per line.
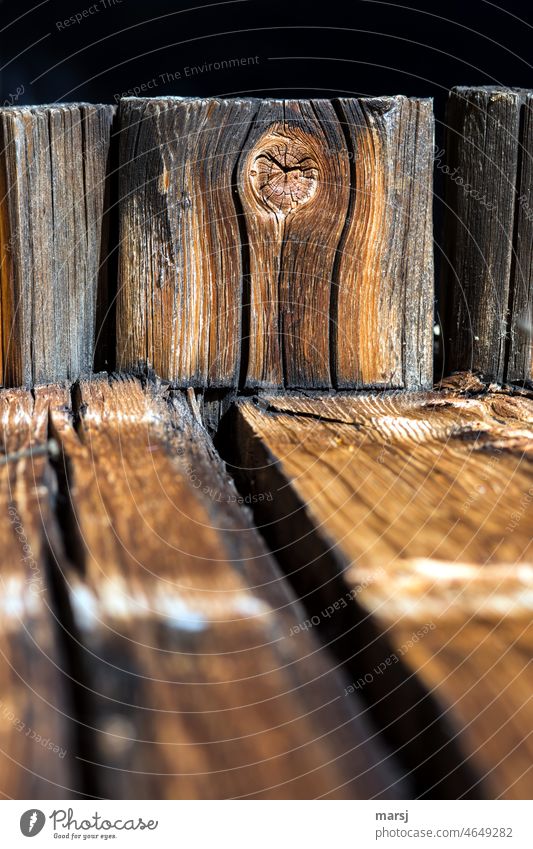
420 506
52 182
294 185
488 233
180 276
37 733
195 687
265 243
520 342
382 315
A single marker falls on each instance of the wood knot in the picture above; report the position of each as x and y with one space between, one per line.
284 175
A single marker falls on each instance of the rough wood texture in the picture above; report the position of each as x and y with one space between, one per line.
520 351
53 163
382 316
420 505
195 687
37 753
487 278
181 271
270 243
294 183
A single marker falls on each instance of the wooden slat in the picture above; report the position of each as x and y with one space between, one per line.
53 163
520 353
179 303
37 733
382 317
487 281
196 688
421 506
267 243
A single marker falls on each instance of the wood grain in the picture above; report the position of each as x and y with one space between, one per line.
294 185
53 166
382 315
37 731
487 278
271 243
420 505
195 688
520 343
180 274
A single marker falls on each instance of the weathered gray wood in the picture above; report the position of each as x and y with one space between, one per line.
194 685
53 162
487 280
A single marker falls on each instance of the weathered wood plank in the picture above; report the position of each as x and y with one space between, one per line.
382 315
520 351
487 280
37 745
196 688
294 184
420 506
53 163
254 254
180 277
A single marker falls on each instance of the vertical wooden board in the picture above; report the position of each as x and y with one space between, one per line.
481 171
37 732
180 278
520 341
53 166
195 687
382 315
293 182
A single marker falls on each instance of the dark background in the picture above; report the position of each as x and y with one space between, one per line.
357 48
366 47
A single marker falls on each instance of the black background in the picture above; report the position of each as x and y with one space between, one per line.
358 48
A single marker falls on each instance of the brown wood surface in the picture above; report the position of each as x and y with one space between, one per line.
187 681
266 243
53 166
181 271
382 311
37 729
421 505
294 184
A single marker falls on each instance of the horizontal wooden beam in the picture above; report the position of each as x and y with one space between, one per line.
414 510
176 620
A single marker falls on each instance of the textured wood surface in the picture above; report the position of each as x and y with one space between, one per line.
268 243
520 352
181 271
37 732
421 505
382 310
53 165
487 278
178 622
294 184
